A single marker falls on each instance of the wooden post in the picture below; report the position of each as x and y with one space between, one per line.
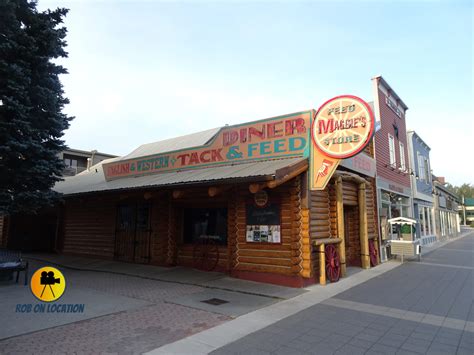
322 265
363 231
340 225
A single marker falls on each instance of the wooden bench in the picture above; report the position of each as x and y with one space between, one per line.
405 248
11 261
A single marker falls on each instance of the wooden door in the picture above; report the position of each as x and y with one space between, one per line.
351 234
142 234
132 237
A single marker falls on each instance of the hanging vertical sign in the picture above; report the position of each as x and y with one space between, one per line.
342 128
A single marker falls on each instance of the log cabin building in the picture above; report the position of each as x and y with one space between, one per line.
234 199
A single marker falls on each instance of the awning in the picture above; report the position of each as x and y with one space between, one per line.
268 170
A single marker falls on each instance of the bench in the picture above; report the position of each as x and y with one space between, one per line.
405 248
11 261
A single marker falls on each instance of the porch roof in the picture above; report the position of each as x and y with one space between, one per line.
94 180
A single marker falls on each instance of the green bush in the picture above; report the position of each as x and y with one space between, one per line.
405 229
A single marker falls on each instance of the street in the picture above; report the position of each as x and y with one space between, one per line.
416 308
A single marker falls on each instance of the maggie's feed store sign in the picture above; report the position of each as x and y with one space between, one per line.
278 137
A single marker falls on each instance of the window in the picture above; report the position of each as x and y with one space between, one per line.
202 223
263 224
421 218
427 169
391 147
421 167
402 157
70 163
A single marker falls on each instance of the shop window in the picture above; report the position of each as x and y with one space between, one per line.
263 224
422 221
202 223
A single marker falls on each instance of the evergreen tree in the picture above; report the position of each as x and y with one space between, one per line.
31 94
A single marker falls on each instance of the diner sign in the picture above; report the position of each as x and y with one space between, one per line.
342 128
278 137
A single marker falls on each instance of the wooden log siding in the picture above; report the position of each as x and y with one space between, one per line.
89 226
232 229
371 204
349 193
196 198
320 222
3 232
171 254
284 258
352 235
159 230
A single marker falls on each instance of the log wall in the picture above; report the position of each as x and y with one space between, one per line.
3 231
322 221
159 230
371 202
323 217
89 226
195 198
285 258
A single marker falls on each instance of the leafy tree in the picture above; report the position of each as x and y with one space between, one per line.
31 94
466 190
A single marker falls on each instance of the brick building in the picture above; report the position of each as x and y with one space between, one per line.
394 195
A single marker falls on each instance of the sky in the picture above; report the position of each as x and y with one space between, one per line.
143 71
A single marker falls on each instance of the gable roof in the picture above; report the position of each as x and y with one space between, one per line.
171 144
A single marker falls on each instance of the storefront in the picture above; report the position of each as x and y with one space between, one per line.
239 200
446 218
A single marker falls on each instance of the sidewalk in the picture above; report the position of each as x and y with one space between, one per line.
415 308
177 275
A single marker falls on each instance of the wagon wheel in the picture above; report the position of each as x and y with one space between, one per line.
205 255
372 253
333 263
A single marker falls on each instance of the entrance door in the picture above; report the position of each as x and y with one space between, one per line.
351 234
132 236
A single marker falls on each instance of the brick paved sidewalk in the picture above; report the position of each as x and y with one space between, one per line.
136 330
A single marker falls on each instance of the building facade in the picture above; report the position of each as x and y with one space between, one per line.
234 199
76 161
422 188
446 206
466 211
394 193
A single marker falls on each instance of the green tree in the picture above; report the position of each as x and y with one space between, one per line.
466 190
31 94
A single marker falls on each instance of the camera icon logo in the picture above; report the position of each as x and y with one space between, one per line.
48 284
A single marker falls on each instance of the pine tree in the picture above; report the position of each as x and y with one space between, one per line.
31 94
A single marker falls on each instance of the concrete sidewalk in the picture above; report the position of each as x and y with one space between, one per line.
371 314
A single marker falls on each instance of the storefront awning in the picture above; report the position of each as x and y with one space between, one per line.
268 170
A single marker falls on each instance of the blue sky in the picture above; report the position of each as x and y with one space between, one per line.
143 71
